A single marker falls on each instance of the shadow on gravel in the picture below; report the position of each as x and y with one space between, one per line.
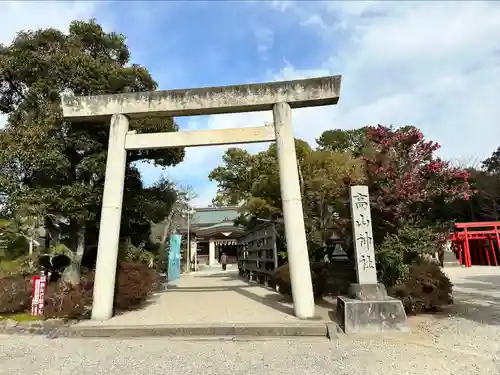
477 298
272 299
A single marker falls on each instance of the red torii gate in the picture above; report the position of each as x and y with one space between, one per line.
476 243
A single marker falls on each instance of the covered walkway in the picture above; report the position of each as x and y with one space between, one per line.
214 297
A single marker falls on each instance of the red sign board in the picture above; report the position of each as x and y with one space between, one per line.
39 284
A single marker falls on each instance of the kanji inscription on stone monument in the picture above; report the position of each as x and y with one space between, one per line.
363 235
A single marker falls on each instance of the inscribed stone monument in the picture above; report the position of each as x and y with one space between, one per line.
364 251
367 308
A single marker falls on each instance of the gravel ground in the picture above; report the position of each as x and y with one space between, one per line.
35 355
465 339
473 322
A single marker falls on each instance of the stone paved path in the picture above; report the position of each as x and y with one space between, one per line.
211 297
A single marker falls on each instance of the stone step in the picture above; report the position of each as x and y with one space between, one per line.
450 260
451 264
306 329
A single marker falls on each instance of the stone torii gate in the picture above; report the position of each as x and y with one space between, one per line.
280 97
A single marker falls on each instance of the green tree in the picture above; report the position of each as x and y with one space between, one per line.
180 207
57 167
487 184
483 204
353 140
492 164
146 205
17 236
254 180
327 176
234 178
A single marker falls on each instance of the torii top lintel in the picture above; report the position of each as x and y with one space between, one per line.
205 101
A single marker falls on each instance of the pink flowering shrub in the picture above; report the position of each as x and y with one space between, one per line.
409 187
406 178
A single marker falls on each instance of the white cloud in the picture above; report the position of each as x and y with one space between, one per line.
430 64
314 21
264 37
24 15
199 161
204 196
16 16
30 15
282 5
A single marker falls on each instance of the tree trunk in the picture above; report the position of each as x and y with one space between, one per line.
162 254
166 229
301 180
72 273
48 233
126 243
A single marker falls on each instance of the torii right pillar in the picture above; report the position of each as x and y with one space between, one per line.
293 214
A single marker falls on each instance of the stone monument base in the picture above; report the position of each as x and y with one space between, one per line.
368 309
367 292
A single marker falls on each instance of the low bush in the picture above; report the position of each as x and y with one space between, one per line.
398 251
135 282
281 277
133 254
425 289
15 294
63 300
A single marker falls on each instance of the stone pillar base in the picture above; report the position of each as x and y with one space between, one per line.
368 309
367 292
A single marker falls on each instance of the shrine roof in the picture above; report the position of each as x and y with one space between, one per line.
208 216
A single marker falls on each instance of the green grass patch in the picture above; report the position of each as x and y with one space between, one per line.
8 267
21 317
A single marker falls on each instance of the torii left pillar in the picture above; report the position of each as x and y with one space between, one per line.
109 232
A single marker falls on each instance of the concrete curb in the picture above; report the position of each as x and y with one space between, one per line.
35 327
320 329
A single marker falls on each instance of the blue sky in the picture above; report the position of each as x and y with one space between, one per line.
435 64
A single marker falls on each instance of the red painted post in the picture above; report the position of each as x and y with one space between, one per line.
468 261
460 252
461 248
493 251
498 238
486 252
